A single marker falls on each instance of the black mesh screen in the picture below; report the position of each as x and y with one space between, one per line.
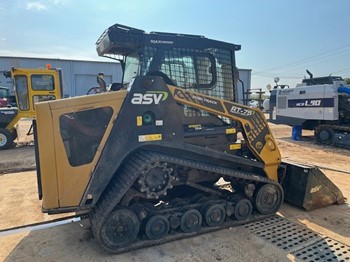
207 71
147 58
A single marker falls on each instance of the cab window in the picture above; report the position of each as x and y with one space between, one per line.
82 133
189 69
21 87
42 82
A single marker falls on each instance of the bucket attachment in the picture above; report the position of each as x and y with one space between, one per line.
308 187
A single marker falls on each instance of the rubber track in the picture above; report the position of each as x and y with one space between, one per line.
128 174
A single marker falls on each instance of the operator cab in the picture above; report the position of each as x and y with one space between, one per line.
192 62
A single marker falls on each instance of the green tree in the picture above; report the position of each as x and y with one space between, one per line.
347 81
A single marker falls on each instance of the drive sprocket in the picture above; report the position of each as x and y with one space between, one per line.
156 179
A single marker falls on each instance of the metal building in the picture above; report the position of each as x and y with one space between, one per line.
244 83
78 76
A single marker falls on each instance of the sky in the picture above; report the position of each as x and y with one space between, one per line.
279 38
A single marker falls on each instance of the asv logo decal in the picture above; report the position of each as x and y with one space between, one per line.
151 97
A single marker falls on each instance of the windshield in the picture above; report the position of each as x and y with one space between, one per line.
42 82
132 64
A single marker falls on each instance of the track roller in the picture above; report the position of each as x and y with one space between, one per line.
191 221
242 208
157 227
214 214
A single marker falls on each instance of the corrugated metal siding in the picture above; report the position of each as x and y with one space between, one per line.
71 70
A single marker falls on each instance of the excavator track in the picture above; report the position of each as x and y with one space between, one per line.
120 224
336 135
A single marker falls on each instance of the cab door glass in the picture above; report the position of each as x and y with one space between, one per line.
21 87
82 133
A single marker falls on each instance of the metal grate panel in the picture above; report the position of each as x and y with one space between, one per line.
283 233
325 250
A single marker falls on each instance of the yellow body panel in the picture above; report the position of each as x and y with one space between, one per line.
68 183
47 156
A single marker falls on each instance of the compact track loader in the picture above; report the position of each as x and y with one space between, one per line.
168 154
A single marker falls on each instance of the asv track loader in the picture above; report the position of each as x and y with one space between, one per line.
144 160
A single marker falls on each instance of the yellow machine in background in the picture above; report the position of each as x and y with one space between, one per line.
30 86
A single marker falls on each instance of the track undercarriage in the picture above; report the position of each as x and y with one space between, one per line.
157 198
336 135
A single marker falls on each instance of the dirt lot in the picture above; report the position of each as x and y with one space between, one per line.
74 242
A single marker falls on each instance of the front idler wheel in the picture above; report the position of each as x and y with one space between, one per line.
191 221
268 199
157 227
120 229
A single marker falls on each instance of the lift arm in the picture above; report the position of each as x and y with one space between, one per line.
256 131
